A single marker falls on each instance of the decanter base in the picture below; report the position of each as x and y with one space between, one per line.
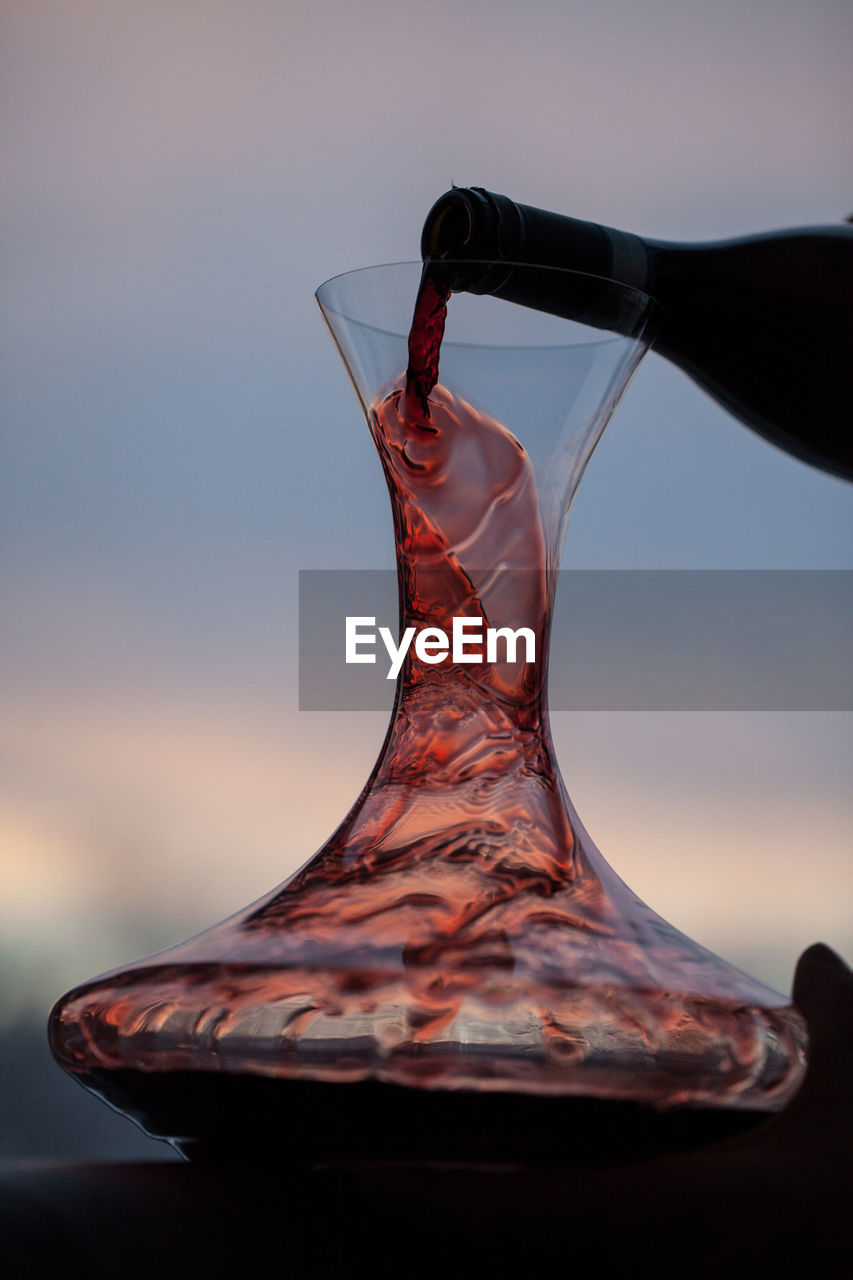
214 1116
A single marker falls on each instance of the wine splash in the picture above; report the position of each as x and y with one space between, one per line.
459 930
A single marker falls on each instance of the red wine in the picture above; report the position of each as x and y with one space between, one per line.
425 338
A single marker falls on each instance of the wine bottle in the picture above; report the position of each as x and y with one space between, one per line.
763 322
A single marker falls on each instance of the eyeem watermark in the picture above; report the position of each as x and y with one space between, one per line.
621 640
433 645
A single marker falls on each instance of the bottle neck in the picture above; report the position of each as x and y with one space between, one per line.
473 224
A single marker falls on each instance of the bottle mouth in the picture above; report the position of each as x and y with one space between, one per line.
448 227
461 221
471 222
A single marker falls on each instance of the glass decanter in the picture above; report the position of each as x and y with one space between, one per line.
458 965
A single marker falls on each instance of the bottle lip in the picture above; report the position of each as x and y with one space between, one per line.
466 216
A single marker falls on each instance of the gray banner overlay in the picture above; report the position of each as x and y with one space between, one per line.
632 640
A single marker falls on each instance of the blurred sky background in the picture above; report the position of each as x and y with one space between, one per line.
178 439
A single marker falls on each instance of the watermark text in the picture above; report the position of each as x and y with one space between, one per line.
433 645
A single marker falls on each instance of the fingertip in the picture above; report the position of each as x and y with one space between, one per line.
819 970
821 954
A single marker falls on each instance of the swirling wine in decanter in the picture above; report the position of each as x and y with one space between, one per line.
458 960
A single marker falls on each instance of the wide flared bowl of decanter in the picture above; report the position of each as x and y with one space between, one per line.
458 966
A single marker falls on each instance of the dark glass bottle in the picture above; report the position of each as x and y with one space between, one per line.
764 322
